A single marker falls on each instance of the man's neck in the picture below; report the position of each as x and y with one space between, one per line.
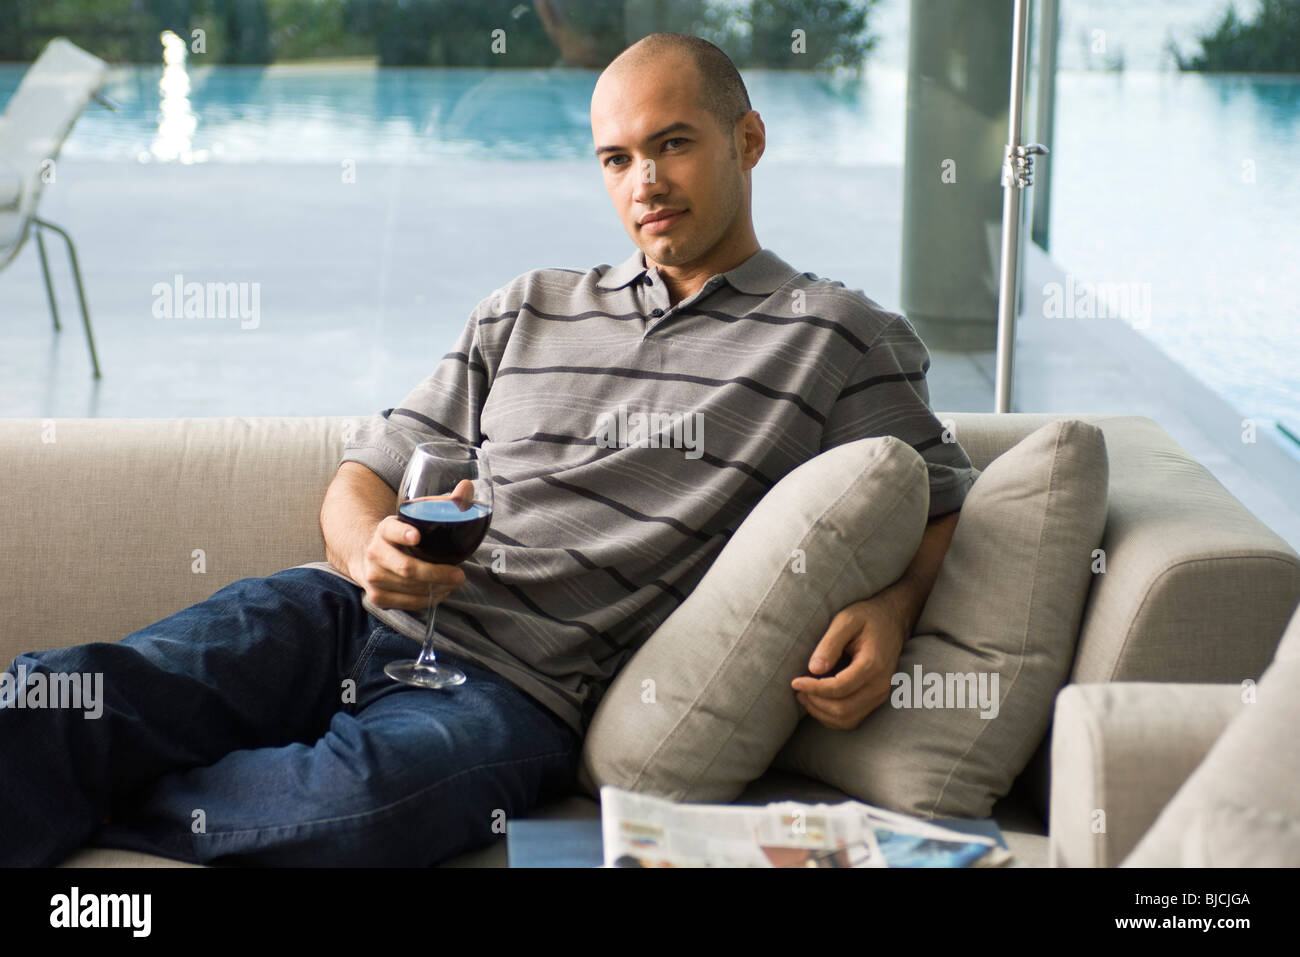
685 281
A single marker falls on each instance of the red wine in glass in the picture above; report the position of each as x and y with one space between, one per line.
448 533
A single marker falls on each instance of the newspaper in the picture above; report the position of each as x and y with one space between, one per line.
642 830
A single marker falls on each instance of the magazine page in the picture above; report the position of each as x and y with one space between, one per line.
643 830
911 842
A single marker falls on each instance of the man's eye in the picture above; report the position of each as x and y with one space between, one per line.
675 139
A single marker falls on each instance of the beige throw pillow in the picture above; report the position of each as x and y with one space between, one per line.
701 708
973 691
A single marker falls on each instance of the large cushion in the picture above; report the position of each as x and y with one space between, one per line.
998 630
701 708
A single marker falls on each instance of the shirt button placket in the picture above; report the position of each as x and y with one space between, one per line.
655 313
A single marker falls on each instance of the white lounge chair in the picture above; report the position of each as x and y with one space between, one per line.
36 121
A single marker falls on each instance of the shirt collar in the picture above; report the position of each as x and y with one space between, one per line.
761 274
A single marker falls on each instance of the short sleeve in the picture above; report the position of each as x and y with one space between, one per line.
446 405
886 394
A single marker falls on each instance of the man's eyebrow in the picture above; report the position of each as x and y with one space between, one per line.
671 128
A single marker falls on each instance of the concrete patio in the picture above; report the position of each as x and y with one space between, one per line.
363 285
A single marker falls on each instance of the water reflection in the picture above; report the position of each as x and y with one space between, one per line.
176 120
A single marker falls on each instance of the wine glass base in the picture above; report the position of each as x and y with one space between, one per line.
444 676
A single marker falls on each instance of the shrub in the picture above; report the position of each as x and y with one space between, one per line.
1268 44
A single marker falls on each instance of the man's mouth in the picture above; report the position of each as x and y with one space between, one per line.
661 220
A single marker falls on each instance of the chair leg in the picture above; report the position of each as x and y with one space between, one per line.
81 292
45 272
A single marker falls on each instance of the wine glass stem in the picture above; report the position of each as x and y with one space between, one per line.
427 658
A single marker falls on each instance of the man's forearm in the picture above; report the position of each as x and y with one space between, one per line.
910 592
356 501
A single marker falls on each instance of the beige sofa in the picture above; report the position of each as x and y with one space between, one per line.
103 521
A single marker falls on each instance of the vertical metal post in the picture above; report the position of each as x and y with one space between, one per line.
1017 173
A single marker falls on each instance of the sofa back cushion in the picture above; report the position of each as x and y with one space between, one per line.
109 525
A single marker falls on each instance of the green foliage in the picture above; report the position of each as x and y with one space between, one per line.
457 33
755 33
116 30
833 35
1268 44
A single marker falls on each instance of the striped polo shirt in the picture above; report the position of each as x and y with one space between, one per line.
629 437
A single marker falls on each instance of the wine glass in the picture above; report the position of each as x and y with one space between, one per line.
446 494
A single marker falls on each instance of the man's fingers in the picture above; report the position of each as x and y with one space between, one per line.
410 587
404 601
463 494
852 679
823 714
393 529
393 563
826 655
843 713
396 578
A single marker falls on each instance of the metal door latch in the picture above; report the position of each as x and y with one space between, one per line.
1020 160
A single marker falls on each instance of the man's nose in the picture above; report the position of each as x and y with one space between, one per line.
643 191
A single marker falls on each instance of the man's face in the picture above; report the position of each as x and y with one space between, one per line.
669 155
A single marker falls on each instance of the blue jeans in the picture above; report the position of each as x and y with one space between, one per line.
258 727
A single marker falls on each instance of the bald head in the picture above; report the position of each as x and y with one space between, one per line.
721 92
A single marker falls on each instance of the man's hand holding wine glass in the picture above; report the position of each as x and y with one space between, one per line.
394 577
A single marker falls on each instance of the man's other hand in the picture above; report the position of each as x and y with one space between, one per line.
872 633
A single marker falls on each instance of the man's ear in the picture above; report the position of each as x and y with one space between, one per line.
754 136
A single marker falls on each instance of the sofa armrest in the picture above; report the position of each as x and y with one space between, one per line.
1119 752
1195 588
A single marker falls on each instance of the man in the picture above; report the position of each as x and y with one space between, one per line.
258 726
